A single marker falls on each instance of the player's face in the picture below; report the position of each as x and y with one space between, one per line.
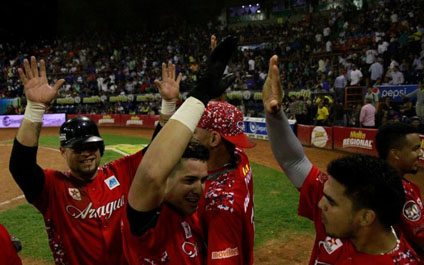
82 161
409 154
337 211
202 135
185 188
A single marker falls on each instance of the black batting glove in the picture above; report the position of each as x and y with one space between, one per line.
208 85
226 81
16 243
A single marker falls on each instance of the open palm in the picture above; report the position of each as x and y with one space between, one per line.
36 87
169 87
272 93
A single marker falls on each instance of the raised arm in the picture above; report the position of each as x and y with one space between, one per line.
39 94
169 89
149 186
285 146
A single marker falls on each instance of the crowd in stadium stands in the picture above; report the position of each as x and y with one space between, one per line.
322 53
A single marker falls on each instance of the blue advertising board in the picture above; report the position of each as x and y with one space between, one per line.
256 127
396 92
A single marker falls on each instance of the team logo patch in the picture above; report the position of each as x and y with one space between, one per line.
190 249
75 193
411 211
331 244
228 253
187 229
112 182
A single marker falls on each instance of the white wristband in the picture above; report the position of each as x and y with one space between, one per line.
168 106
190 113
34 111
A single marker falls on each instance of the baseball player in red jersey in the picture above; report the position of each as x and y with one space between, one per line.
354 208
160 226
400 145
81 207
8 253
226 209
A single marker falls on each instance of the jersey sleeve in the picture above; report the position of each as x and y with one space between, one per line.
43 200
140 222
8 253
310 193
225 232
127 165
412 219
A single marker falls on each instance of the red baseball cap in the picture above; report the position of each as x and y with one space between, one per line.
227 120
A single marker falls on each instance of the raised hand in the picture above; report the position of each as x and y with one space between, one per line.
35 83
169 87
210 76
214 41
272 92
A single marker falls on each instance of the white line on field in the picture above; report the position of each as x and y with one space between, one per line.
11 200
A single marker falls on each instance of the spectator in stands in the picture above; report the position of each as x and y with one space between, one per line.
407 108
416 122
376 70
355 76
339 87
371 96
367 115
322 114
419 106
396 76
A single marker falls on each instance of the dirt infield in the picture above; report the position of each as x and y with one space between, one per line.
296 251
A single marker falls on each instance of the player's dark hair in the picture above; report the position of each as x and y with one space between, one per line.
196 150
392 136
371 183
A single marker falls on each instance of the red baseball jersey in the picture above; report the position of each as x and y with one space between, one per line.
175 239
227 216
328 250
8 253
412 224
83 219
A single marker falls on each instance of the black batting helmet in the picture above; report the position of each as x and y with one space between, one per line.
78 131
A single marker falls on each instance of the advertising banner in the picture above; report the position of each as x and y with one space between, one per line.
102 119
322 137
354 140
395 92
49 120
256 127
144 121
124 120
304 134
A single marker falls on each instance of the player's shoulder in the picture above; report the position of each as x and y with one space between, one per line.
411 189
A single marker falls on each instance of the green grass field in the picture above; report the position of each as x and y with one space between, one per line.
274 197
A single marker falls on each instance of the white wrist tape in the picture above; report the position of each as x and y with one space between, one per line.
168 106
34 111
190 113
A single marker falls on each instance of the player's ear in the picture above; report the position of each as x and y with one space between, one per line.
62 150
366 217
215 139
394 154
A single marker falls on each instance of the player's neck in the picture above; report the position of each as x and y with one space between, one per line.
83 179
218 159
376 241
